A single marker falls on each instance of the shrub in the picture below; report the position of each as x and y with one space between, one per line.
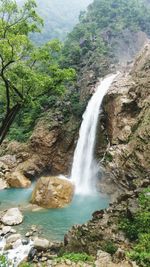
110 247
4 261
76 257
137 229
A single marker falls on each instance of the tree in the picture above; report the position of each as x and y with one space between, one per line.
26 71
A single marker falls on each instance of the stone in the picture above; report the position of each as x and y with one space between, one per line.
120 254
12 216
25 241
32 254
44 259
41 243
68 262
17 243
3 184
52 192
8 160
104 259
28 234
17 180
6 230
13 238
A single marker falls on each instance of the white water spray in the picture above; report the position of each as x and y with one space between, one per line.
17 254
84 168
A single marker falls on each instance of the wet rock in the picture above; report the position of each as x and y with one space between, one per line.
32 254
6 230
12 216
41 243
28 234
13 238
52 192
98 214
25 241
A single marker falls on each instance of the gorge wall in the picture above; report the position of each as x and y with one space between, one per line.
127 122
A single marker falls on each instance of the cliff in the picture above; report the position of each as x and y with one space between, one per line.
127 124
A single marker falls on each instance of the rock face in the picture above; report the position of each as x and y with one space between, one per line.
52 192
12 216
49 149
127 114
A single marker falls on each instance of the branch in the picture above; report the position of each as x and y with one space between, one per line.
16 90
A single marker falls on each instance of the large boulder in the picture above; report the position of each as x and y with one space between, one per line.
12 216
17 180
52 192
41 243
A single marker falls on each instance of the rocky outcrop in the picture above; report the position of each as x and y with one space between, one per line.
49 149
17 180
52 192
127 124
102 232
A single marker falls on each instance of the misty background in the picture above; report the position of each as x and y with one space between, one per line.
60 16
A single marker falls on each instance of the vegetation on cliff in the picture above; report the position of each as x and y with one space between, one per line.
137 229
93 40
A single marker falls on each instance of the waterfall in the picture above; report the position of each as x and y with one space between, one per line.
85 168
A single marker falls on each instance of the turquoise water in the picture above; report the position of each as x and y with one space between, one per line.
53 223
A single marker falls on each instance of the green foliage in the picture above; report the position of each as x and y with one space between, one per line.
76 257
77 106
140 223
141 251
26 72
109 247
103 22
3 261
25 264
137 229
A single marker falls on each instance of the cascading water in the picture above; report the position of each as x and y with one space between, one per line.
84 168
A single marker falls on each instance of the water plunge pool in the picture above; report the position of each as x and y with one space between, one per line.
52 223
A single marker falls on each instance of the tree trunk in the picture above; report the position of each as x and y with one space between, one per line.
7 121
